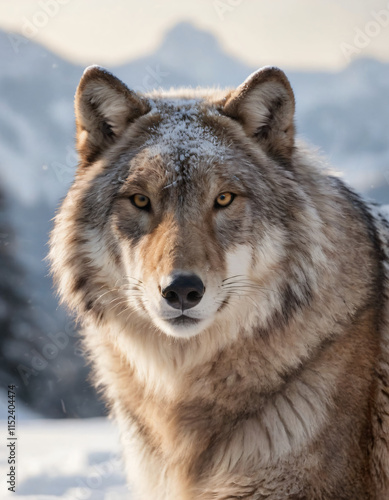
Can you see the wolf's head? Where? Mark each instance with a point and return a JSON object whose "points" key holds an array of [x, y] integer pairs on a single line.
{"points": [[184, 211]]}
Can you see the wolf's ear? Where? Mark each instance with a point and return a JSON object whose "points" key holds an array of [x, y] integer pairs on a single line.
{"points": [[264, 105], [104, 107]]}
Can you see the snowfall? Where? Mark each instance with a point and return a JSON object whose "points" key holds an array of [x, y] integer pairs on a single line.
{"points": [[75, 459]]}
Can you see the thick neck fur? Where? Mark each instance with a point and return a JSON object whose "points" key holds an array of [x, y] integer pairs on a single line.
{"points": [[246, 403]]}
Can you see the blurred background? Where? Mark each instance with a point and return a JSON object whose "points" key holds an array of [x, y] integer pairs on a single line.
{"points": [[336, 54]]}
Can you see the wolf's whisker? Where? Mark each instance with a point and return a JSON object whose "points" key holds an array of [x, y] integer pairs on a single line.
{"points": [[108, 291]]}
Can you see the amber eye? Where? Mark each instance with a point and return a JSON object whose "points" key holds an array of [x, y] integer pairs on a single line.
{"points": [[140, 201], [224, 199]]}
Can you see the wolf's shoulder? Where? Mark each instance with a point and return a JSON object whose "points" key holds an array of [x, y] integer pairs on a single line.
{"points": [[373, 215]]}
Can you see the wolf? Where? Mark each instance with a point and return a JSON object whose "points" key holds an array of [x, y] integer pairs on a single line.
{"points": [[233, 295]]}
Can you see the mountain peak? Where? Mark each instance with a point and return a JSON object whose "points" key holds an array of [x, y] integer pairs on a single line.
{"points": [[189, 55], [186, 35]]}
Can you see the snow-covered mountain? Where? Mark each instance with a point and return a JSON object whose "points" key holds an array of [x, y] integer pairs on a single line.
{"points": [[346, 114]]}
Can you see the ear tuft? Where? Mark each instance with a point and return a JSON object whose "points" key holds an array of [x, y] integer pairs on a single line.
{"points": [[264, 105], [104, 107]]}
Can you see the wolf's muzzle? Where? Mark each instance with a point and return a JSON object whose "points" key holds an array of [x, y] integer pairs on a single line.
{"points": [[184, 291]]}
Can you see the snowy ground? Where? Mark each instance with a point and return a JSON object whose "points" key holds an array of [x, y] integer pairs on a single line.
{"points": [[63, 459]]}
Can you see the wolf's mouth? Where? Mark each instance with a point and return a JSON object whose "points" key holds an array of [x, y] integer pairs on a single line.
{"points": [[183, 321]]}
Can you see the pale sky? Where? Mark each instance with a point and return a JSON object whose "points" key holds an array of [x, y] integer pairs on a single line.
{"points": [[303, 34]]}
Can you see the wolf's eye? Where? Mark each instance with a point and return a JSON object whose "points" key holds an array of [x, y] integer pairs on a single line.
{"points": [[224, 199], [140, 201]]}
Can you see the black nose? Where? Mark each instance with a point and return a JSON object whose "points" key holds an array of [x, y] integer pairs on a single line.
{"points": [[184, 292]]}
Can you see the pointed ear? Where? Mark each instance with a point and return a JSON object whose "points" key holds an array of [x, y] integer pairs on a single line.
{"points": [[264, 105], [104, 107]]}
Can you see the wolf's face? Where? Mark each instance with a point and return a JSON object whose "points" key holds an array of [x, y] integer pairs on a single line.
{"points": [[184, 221], [179, 208]]}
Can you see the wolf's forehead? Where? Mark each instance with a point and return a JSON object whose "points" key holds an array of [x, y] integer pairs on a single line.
{"points": [[182, 134]]}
